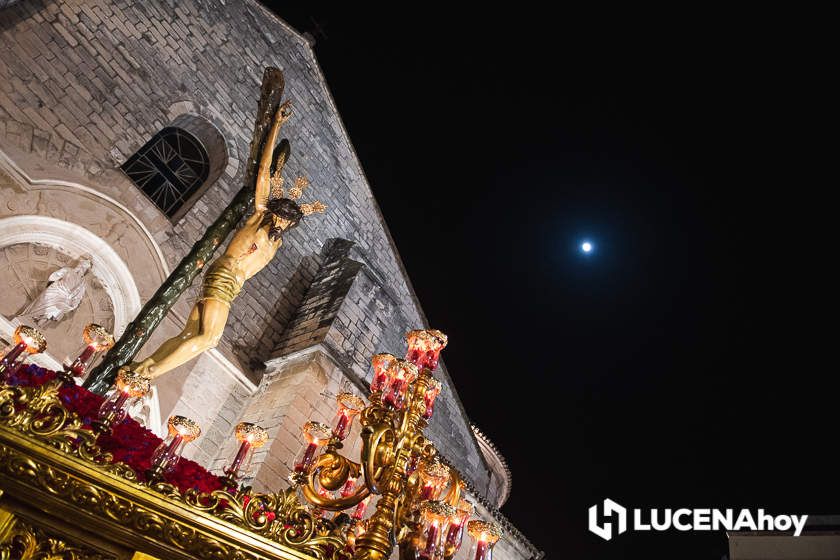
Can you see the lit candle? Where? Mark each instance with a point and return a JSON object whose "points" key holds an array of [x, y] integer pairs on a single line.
{"points": [[431, 542], [380, 363], [485, 535], [433, 516], [433, 477], [97, 339], [78, 365], [349, 405], [308, 456], [244, 447], [348, 487], [341, 425], [182, 430], [316, 435], [173, 445], [122, 397], [25, 339], [424, 347], [129, 385], [402, 374], [12, 355], [455, 534], [432, 391], [359, 512], [481, 550], [395, 395], [250, 437]]}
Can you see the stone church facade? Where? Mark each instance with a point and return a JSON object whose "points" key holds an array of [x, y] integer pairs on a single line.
{"points": [[87, 84]]}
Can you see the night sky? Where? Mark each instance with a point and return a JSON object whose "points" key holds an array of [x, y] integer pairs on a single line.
{"points": [[686, 362]]}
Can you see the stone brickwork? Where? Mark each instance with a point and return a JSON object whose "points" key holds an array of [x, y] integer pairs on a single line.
{"points": [[85, 83]]}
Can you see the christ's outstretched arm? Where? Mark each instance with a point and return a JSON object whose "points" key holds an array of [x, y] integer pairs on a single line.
{"points": [[263, 187]]}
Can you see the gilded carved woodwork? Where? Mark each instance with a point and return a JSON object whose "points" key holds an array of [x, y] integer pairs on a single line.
{"points": [[50, 461], [27, 542]]}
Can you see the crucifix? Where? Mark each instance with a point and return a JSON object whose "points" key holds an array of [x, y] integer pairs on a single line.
{"points": [[252, 247]]}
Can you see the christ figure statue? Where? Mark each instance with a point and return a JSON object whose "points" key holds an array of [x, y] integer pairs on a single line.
{"points": [[252, 247]]}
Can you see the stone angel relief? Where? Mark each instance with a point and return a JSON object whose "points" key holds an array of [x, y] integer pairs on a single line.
{"points": [[63, 294], [252, 247]]}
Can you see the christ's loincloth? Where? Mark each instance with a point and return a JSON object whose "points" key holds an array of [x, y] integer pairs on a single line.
{"points": [[220, 283]]}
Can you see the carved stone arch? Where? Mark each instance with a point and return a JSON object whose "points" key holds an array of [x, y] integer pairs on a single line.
{"points": [[74, 241], [111, 271]]}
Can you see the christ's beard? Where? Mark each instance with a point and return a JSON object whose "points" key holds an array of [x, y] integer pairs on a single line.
{"points": [[275, 233]]}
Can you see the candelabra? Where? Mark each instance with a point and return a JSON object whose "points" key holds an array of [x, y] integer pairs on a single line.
{"points": [[420, 506]]}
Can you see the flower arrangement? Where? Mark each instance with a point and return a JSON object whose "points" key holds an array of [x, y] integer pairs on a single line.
{"points": [[129, 442]]}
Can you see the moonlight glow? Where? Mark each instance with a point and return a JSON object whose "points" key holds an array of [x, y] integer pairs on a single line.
{"points": [[586, 247]]}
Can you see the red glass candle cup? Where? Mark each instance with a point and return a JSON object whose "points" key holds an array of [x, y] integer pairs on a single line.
{"points": [[457, 525], [361, 507], [316, 435], [424, 346], [434, 477], [97, 340], [318, 511], [348, 487], [129, 386], [485, 535], [381, 363], [26, 341], [434, 517], [349, 405], [250, 437], [401, 373], [182, 430], [432, 391]]}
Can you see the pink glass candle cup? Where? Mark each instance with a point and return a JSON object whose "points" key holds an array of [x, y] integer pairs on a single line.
{"points": [[485, 536], [250, 437], [402, 374], [182, 430], [316, 435], [380, 363], [96, 340], [434, 517], [424, 346], [25, 341], [349, 405]]}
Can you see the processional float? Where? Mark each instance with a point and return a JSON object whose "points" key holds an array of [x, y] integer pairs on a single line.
{"points": [[63, 447]]}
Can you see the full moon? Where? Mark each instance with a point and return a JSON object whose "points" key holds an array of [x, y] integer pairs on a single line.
{"points": [[586, 247]]}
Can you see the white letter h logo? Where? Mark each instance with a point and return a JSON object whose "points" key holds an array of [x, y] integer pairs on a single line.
{"points": [[610, 508]]}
